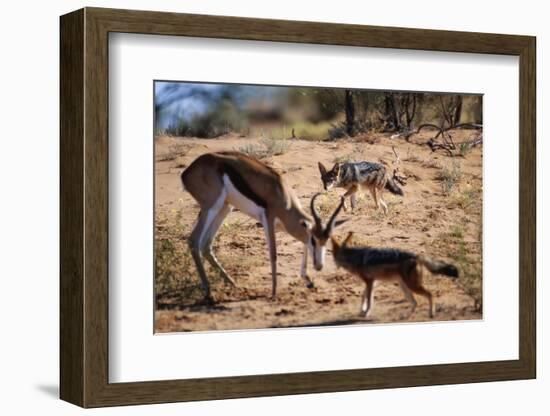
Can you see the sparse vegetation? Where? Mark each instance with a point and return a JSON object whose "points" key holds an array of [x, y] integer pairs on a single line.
{"points": [[465, 199], [425, 163], [465, 256], [175, 273], [275, 147], [464, 149], [339, 130], [303, 130], [348, 157], [174, 151], [265, 148], [412, 157], [241, 235], [457, 232], [326, 204], [176, 279], [450, 177], [431, 163]]}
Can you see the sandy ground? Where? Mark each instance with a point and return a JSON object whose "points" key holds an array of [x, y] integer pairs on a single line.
{"points": [[425, 220]]}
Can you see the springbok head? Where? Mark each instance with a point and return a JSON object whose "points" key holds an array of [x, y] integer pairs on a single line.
{"points": [[319, 234]]}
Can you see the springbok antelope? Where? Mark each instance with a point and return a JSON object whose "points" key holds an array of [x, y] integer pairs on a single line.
{"points": [[223, 180]]}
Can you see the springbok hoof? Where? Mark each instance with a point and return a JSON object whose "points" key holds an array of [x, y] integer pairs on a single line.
{"points": [[310, 285]]}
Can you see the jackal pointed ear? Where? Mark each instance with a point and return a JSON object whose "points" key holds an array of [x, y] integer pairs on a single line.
{"points": [[348, 239], [322, 169], [336, 168], [306, 224]]}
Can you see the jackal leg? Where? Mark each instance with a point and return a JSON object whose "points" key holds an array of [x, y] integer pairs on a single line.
{"points": [[206, 248], [367, 298], [383, 203], [408, 295], [414, 283], [353, 200], [351, 193], [424, 292], [378, 201], [419, 289]]}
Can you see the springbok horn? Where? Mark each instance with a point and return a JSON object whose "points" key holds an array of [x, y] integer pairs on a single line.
{"points": [[314, 211], [334, 215]]}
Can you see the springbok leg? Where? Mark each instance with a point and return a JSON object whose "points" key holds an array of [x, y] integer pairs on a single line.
{"points": [[206, 248]]}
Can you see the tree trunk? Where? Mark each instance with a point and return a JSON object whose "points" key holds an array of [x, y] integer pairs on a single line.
{"points": [[478, 112], [411, 109], [391, 111], [350, 113], [458, 110]]}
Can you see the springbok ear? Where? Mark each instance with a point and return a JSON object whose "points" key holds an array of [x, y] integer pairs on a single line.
{"points": [[322, 169], [338, 223], [306, 224]]}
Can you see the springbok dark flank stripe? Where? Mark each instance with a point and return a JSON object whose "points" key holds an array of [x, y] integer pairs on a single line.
{"points": [[241, 185]]}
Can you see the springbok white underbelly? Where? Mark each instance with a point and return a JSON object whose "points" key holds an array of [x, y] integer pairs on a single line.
{"points": [[241, 202]]}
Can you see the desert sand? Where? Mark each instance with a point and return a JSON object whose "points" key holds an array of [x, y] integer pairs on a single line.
{"points": [[429, 219]]}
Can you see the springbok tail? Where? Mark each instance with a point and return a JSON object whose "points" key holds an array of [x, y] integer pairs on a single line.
{"points": [[438, 267], [182, 180]]}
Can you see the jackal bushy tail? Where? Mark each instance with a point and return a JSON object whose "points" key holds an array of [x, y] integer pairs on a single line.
{"points": [[438, 267], [393, 188]]}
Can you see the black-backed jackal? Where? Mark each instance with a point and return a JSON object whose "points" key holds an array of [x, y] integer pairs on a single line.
{"points": [[352, 176], [372, 264]]}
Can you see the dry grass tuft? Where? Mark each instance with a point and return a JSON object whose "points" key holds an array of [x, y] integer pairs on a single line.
{"points": [[465, 256], [175, 151], [346, 158], [450, 177], [266, 148], [175, 271], [431, 163]]}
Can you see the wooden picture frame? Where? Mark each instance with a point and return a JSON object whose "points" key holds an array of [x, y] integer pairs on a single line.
{"points": [[84, 207]]}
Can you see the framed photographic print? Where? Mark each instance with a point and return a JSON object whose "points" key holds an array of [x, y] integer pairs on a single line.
{"points": [[257, 207]]}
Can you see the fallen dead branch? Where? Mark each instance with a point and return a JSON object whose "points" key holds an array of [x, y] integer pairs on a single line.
{"points": [[446, 142]]}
